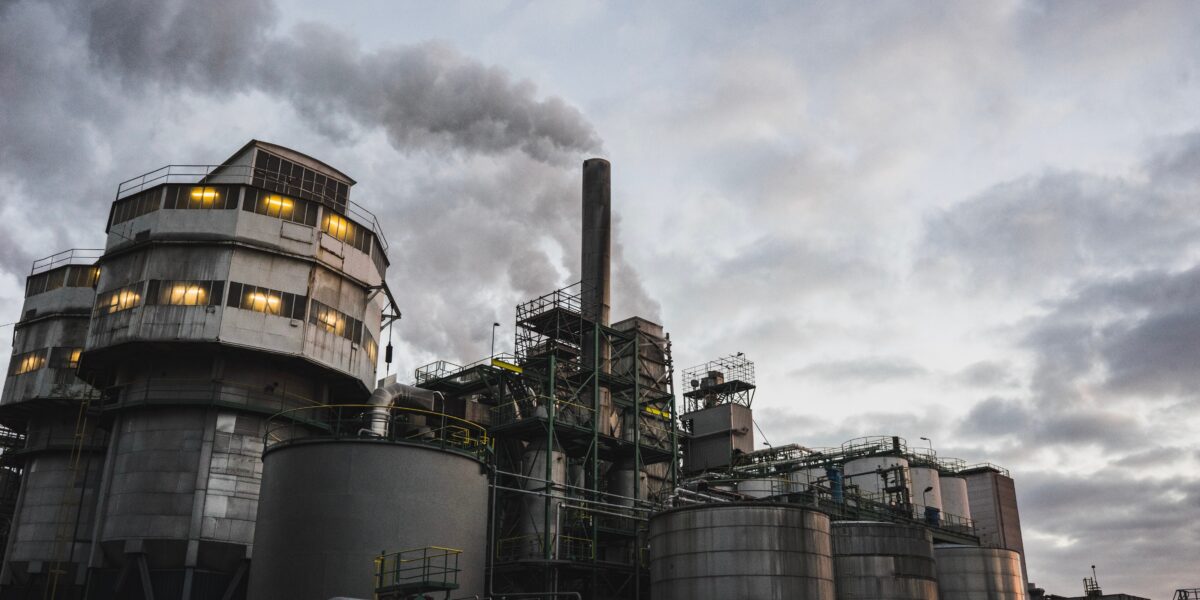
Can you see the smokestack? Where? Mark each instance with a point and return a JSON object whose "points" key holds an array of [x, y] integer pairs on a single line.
{"points": [[597, 230]]}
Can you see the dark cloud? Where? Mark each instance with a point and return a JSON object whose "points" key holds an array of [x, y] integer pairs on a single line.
{"points": [[987, 374], [1116, 522], [1043, 232]]}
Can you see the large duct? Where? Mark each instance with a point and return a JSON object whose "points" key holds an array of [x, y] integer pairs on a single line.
{"points": [[597, 238], [399, 394]]}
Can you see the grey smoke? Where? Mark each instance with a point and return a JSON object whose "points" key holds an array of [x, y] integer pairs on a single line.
{"points": [[481, 207]]}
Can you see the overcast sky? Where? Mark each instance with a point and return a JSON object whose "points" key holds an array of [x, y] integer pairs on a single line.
{"points": [[975, 222]]}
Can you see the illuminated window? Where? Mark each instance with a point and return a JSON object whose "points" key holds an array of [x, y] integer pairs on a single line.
{"points": [[28, 362], [266, 300], [281, 207], [119, 299], [200, 197], [72, 276], [370, 346], [136, 206], [339, 323], [65, 357], [184, 293], [347, 231]]}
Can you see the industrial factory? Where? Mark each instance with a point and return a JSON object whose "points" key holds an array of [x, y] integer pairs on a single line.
{"points": [[193, 412]]}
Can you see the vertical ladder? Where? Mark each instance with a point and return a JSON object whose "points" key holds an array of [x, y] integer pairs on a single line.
{"points": [[68, 511]]}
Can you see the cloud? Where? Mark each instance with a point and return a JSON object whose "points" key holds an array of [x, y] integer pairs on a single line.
{"points": [[868, 370]]}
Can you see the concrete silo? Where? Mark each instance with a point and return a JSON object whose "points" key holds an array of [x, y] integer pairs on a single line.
{"points": [[226, 294]]}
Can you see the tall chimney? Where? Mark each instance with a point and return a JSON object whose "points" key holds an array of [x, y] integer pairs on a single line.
{"points": [[597, 230]]}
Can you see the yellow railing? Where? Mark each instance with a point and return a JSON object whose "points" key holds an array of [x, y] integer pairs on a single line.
{"points": [[381, 423]]}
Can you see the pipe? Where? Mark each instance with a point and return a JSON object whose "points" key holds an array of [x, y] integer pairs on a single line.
{"points": [[397, 394]]}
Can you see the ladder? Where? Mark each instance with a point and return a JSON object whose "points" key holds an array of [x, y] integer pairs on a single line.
{"points": [[68, 508]]}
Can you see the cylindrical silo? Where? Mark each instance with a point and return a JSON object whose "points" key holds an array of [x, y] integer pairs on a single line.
{"points": [[62, 453], [924, 476], [883, 561], [874, 474], [763, 487], [974, 573], [740, 550], [329, 507], [955, 507]]}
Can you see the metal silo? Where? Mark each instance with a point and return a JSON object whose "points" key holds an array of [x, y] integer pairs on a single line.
{"points": [[926, 490], [956, 505], [52, 442], [880, 470], [883, 561], [974, 573], [332, 502], [740, 550]]}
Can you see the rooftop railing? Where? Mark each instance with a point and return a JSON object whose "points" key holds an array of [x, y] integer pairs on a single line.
{"points": [[74, 256], [248, 175]]}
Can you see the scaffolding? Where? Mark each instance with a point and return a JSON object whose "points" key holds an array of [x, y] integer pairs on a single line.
{"points": [[725, 380], [599, 400]]}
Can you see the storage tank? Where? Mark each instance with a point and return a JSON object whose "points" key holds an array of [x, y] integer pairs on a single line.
{"points": [[329, 507], [883, 561], [764, 487], [925, 476], [974, 573], [954, 498], [740, 550], [873, 473]]}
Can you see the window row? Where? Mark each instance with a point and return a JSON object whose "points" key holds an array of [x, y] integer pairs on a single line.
{"points": [[242, 296], [184, 293], [72, 276], [200, 197], [60, 357], [265, 300], [284, 176], [297, 210]]}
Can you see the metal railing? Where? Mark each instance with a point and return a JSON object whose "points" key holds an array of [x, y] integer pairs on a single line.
{"points": [[378, 423], [74, 256], [986, 466], [1187, 594], [440, 369], [246, 175], [417, 570]]}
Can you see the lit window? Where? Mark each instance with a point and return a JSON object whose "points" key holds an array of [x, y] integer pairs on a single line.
{"points": [[27, 362], [280, 207], [345, 230], [200, 197], [184, 293], [65, 357], [338, 323], [265, 300], [119, 299], [371, 348], [337, 226]]}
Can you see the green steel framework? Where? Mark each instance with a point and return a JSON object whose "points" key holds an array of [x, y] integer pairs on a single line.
{"points": [[569, 377]]}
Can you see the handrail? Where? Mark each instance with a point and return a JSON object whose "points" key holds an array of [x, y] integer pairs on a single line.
{"points": [[243, 175], [74, 256], [377, 423]]}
